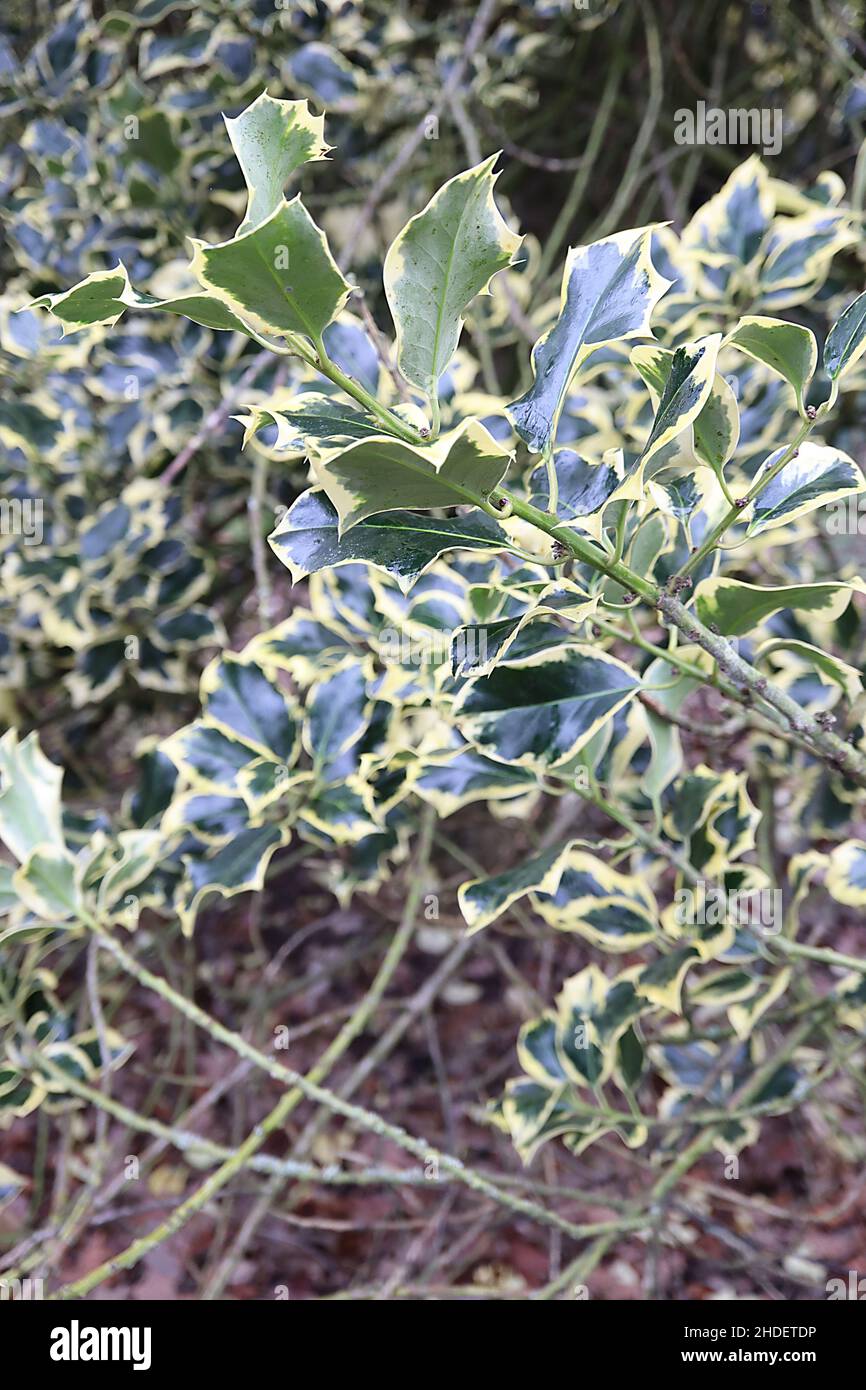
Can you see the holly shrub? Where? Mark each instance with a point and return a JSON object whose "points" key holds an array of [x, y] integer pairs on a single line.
{"points": [[524, 599]]}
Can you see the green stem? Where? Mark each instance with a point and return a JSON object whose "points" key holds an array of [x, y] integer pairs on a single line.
{"points": [[584, 549], [391, 422], [643, 836], [734, 513], [552, 479], [828, 745], [822, 953]]}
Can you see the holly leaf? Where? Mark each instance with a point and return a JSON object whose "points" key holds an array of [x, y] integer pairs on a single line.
{"points": [[443, 258], [681, 381], [736, 607], [609, 290], [539, 710], [271, 138], [482, 900], [46, 883], [819, 474], [787, 349], [103, 297], [279, 275], [383, 474], [402, 544], [30, 797]]}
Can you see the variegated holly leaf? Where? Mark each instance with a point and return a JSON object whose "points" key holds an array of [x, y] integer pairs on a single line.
{"points": [[698, 792], [846, 873], [681, 382], [614, 926], [798, 254], [311, 420], [238, 867], [404, 545], [207, 757], [533, 1113], [536, 1051], [244, 705], [271, 139], [136, 853], [47, 885], [593, 1014], [609, 290], [383, 475], [301, 645], [477, 647], [717, 428], [337, 815], [662, 981], [539, 710], [211, 818], [735, 607], [712, 430], [29, 797], [94, 300], [614, 911], [278, 276], [787, 349], [841, 673], [443, 258], [586, 880], [104, 296], [846, 341], [584, 488], [819, 474], [337, 712], [461, 779], [745, 1013], [482, 900], [726, 234]]}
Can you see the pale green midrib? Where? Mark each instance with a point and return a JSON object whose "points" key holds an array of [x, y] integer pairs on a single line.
{"points": [[565, 700], [441, 311], [289, 298], [373, 523], [434, 474], [672, 412], [582, 339], [370, 523]]}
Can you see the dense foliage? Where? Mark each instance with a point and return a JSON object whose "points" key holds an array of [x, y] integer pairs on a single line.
{"points": [[538, 542]]}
